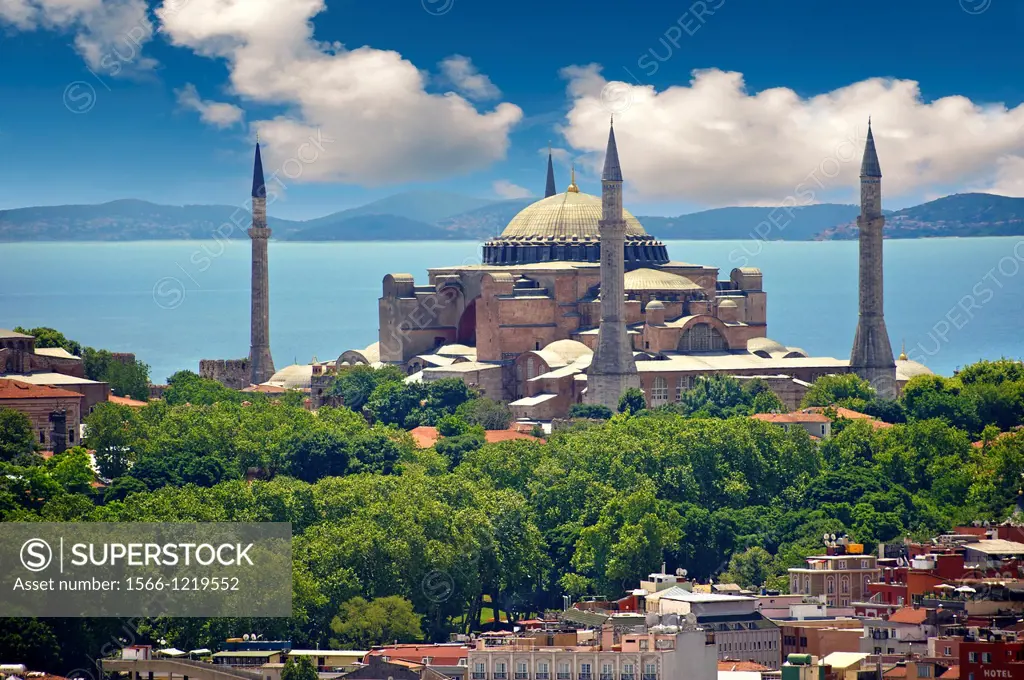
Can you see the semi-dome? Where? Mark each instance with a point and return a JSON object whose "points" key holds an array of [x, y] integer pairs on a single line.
{"points": [[294, 377], [908, 368], [564, 227], [645, 279]]}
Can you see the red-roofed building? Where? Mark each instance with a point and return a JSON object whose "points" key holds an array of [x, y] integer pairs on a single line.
{"points": [[425, 436], [446, 655], [816, 424], [40, 403], [850, 414], [125, 401], [952, 673]]}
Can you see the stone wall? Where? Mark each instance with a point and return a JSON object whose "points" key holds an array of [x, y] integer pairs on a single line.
{"points": [[38, 411], [233, 373]]}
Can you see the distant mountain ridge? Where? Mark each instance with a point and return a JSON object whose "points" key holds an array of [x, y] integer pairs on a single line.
{"points": [[427, 215], [964, 215]]}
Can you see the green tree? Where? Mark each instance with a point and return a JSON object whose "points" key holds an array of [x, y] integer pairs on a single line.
{"points": [[363, 624], [395, 403], [632, 401], [845, 389], [592, 411], [112, 431], [354, 385], [16, 435], [312, 455], [301, 669], [72, 470], [49, 337], [768, 402], [751, 568], [128, 379], [186, 387], [487, 413]]}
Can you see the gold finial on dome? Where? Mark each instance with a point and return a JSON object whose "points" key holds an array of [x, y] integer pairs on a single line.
{"points": [[903, 352], [572, 182]]}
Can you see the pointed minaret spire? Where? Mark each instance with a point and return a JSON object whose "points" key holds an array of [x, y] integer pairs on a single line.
{"points": [[261, 365], [869, 166], [259, 186], [871, 357], [550, 190], [612, 170]]}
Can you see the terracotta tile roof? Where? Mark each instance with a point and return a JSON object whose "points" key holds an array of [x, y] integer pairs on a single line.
{"points": [[125, 401], [741, 666], [897, 672], [426, 436], [952, 673], [15, 389], [909, 615], [795, 417], [440, 655], [850, 414]]}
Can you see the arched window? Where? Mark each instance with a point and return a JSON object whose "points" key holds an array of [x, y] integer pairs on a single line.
{"points": [[659, 391], [702, 337], [844, 585], [531, 370], [831, 585]]}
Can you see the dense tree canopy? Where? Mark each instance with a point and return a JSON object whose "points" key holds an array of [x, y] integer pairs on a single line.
{"points": [[396, 542]]}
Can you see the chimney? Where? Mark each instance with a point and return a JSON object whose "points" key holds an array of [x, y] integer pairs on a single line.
{"points": [[58, 431]]}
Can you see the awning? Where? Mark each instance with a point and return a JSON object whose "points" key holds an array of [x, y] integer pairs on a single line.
{"points": [[170, 651], [200, 652]]}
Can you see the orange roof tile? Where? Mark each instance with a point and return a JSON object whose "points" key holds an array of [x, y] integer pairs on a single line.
{"points": [[741, 666], [426, 436], [850, 414], [952, 673], [897, 672], [909, 615], [125, 401], [794, 417], [15, 389]]}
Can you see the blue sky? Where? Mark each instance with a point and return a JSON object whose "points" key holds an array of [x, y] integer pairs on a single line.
{"points": [[73, 131]]}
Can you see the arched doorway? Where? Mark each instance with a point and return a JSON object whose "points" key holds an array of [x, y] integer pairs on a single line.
{"points": [[465, 334]]}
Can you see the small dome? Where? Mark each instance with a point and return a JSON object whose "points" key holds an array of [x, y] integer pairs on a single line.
{"points": [[645, 279], [728, 304], [764, 345], [568, 350], [655, 304], [793, 352], [294, 377], [907, 369]]}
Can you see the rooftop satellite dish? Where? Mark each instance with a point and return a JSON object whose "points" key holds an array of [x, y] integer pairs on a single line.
{"points": [[246, 637], [832, 536], [825, 537], [681, 572]]}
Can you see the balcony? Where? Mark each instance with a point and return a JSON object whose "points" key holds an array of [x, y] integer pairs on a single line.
{"points": [[522, 676], [627, 676], [650, 676], [607, 676], [543, 675], [500, 675], [564, 676], [479, 676], [585, 676]]}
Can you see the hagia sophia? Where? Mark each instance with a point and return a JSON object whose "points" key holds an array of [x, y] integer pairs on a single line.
{"points": [[532, 324]]}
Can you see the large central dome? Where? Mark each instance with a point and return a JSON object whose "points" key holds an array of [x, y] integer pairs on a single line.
{"points": [[564, 227], [564, 216]]}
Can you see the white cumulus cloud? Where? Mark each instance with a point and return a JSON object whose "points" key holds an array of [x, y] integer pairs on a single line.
{"points": [[358, 115], [459, 72], [506, 189], [109, 34], [713, 142], [218, 114]]}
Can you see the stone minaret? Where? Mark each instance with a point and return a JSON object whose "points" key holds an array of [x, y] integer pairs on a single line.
{"points": [[612, 370], [549, 190], [260, 362], [871, 357]]}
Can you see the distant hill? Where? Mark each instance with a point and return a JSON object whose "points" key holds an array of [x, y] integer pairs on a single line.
{"points": [[127, 220], [372, 228], [431, 207], [772, 224], [486, 222], [423, 215], [956, 215]]}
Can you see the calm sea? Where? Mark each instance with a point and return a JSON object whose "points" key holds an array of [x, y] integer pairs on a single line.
{"points": [[953, 301]]}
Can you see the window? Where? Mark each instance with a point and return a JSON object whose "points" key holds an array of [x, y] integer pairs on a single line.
{"points": [[822, 430], [842, 564], [42, 436], [531, 370], [643, 645], [478, 671], [844, 584], [584, 671], [542, 670], [865, 564], [627, 671], [702, 338], [606, 671], [947, 651], [680, 383], [986, 657], [71, 435], [972, 657], [831, 585], [563, 671], [522, 672], [659, 391], [499, 671], [650, 671]]}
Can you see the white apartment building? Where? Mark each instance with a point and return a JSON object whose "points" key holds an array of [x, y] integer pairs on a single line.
{"points": [[662, 653], [741, 632]]}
